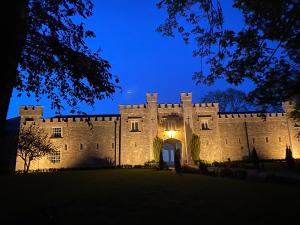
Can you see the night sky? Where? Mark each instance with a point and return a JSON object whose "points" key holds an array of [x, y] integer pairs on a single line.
{"points": [[143, 59]]}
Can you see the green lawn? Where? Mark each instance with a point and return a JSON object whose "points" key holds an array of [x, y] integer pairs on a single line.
{"points": [[120, 196]]}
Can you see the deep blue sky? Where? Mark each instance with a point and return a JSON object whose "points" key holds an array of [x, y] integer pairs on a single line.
{"points": [[143, 59]]}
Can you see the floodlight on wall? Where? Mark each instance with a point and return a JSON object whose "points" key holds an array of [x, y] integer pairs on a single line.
{"points": [[171, 133]]}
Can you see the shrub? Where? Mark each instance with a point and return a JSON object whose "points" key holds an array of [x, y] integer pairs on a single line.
{"points": [[290, 161], [158, 145], [195, 148]]}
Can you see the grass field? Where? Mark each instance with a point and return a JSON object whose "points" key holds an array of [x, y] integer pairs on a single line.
{"points": [[120, 196]]}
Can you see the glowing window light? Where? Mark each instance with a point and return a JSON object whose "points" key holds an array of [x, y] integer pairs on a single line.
{"points": [[171, 133]]}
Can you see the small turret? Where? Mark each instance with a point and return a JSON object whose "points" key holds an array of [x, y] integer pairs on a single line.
{"points": [[31, 113]]}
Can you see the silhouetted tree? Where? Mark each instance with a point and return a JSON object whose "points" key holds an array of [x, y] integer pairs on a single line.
{"points": [[195, 148], [265, 50], [230, 100], [255, 159], [33, 144], [45, 54], [290, 161]]}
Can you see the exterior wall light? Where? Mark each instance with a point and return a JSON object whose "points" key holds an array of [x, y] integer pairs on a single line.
{"points": [[171, 133]]}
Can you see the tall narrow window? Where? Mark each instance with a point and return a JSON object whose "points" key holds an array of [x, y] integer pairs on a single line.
{"points": [[66, 147], [279, 139], [253, 140], [267, 139], [239, 141], [134, 126], [97, 146], [204, 124], [56, 132], [112, 145], [81, 146], [226, 141]]}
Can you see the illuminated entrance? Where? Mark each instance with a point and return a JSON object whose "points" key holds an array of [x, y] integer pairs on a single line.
{"points": [[172, 148]]}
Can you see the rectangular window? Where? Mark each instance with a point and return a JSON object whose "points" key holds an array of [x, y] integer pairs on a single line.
{"points": [[66, 147], [112, 145], [97, 146], [279, 139], [55, 157], [204, 125], [56, 132], [267, 139], [134, 126], [226, 141], [81, 146], [253, 140]]}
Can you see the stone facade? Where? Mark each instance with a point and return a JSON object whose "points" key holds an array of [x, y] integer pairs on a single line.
{"points": [[127, 138]]}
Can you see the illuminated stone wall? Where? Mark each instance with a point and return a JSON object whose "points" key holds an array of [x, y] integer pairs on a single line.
{"points": [[121, 141]]}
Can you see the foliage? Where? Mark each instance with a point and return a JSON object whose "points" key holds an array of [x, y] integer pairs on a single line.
{"points": [[290, 161], [158, 145], [195, 148], [33, 144], [265, 50], [55, 50], [230, 100], [177, 162], [255, 158]]}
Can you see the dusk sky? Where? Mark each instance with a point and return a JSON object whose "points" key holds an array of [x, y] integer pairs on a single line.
{"points": [[142, 58]]}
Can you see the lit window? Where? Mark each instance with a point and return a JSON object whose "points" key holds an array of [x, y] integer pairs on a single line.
{"points": [[134, 126], [55, 157], [56, 132], [204, 125]]}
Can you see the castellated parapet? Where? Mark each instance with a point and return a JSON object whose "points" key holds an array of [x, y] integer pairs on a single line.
{"points": [[127, 138]]}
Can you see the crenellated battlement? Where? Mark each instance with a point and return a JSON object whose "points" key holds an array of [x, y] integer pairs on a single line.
{"points": [[80, 119], [31, 111], [250, 115], [206, 105], [151, 97], [186, 96], [132, 106], [169, 106]]}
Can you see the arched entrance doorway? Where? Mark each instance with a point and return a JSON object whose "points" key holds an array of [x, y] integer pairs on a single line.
{"points": [[172, 148]]}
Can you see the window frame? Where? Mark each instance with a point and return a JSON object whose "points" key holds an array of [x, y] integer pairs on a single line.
{"points": [[55, 157], [54, 134]]}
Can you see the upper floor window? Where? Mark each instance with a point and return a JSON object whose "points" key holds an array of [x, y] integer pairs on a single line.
{"points": [[135, 126], [56, 132], [267, 139], [204, 125], [55, 157]]}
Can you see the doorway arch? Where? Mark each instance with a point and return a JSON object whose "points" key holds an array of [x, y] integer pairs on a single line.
{"points": [[172, 148]]}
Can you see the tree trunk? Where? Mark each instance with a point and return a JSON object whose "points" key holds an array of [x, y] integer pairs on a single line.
{"points": [[13, 23]]}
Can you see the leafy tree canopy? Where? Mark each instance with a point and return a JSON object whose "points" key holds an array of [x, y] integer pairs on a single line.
{"points": [[55, 60], [266, 50]]}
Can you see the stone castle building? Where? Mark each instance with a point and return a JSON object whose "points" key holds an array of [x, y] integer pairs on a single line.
{"points": [[127, 138]]}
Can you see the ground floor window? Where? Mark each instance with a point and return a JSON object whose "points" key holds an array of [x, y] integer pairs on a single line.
{"points": [[55, 157]]}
